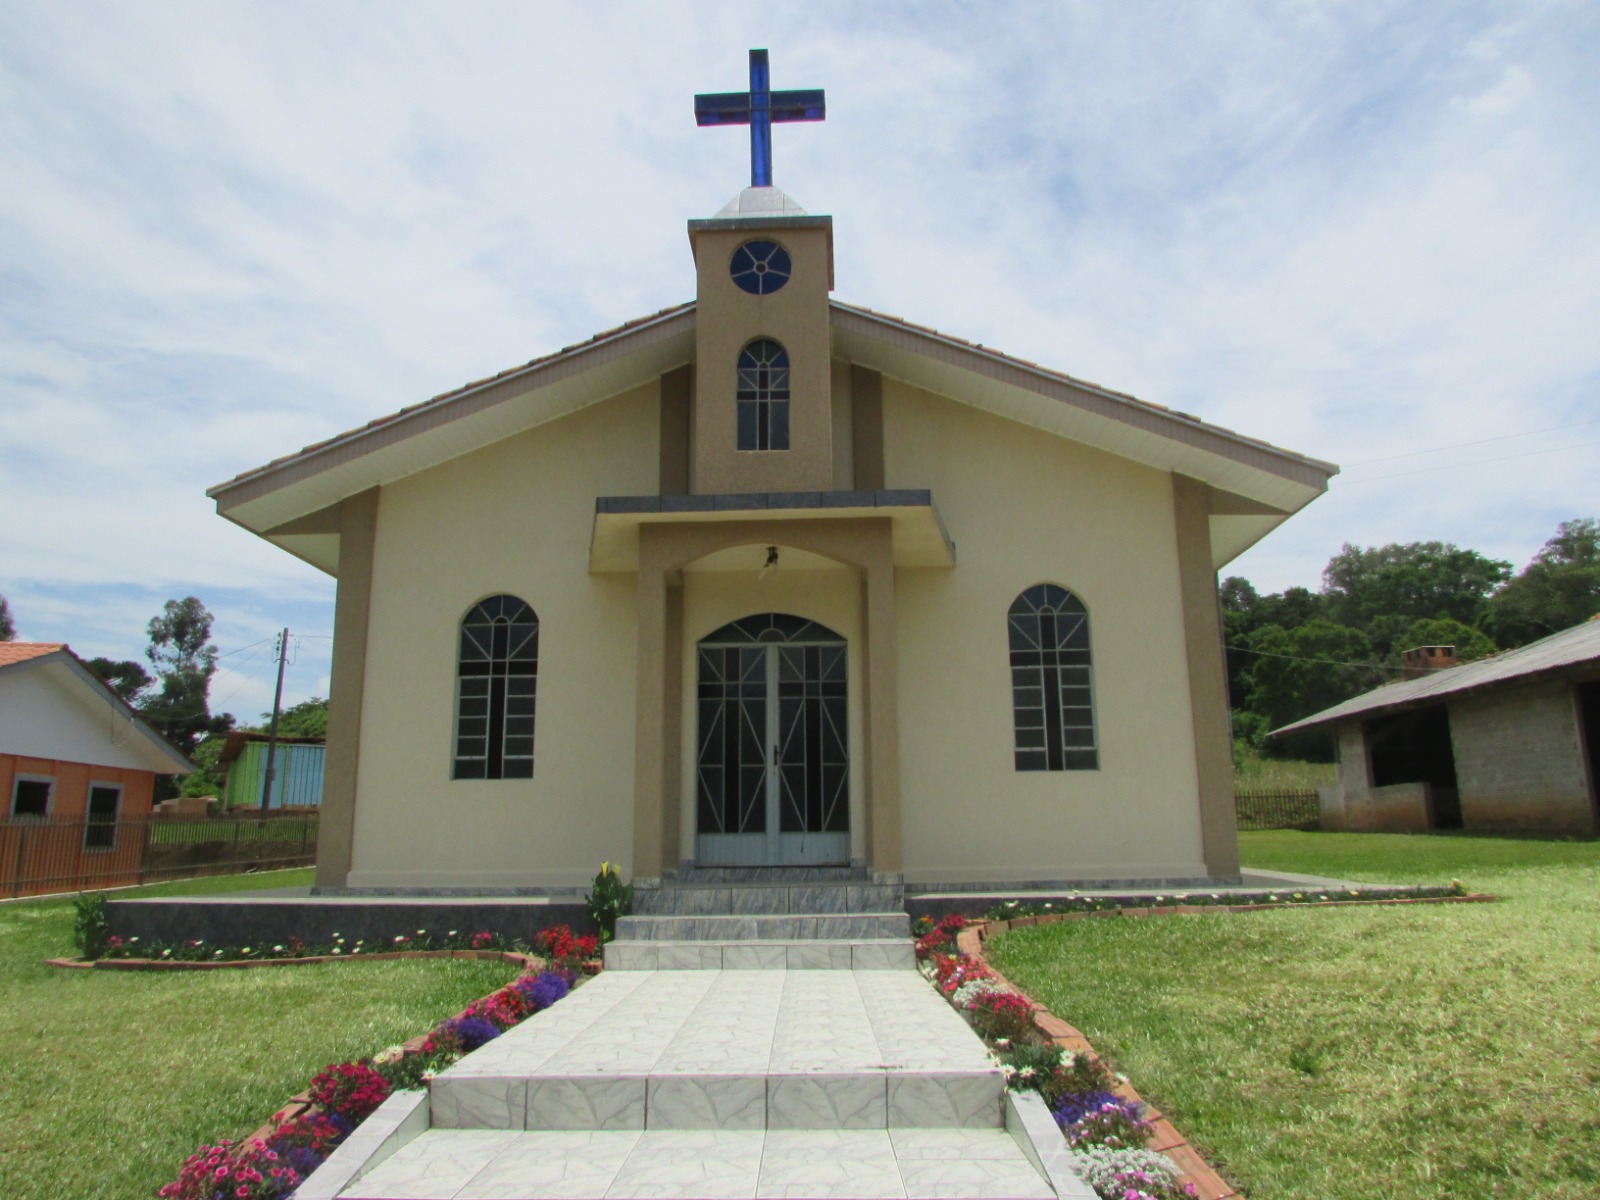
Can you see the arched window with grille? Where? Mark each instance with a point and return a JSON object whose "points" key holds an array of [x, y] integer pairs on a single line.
{"points": [[1052, 689], [763, 396], [497, 672]]}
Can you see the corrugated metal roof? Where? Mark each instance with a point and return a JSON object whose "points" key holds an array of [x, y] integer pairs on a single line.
{"points": [[1573, 647]]}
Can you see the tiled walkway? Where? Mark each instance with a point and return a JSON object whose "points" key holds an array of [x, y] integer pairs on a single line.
{"points": [[477, 1164], [721, 1084]]}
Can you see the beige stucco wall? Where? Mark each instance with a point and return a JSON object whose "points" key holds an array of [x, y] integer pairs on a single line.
{"points": [[1026, 508], [726, 320], [1519, 760], [830, 596], [515, 517]]}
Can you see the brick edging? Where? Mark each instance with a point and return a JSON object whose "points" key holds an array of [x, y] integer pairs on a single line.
{"points": [[1164, 1137]]}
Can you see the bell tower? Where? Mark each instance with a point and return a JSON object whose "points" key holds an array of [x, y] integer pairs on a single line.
{"points": [[762, 410]]}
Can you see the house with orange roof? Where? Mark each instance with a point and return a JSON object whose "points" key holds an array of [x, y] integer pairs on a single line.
{"points": [[74, 761], [768, 582]]}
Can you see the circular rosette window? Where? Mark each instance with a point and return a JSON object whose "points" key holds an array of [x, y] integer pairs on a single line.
{"points": [[760, 268]]}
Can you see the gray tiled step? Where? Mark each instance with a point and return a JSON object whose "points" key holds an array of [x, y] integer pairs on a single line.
{"points": [[764, 927], [870, 954], [725, 875], [730, 1050], [472, 1164], [769, 898]]}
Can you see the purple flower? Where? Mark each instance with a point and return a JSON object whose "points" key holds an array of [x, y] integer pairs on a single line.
{"points": [[473, 1031], [543, 990], [1075, 1106]]}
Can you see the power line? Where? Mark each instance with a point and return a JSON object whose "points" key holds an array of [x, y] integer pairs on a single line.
{"points": [[1505, 437], [1330, 662], [1457, 466]]}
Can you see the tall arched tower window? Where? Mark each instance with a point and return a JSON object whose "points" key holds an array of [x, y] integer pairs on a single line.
{"points": [[1052, 691], [497, 672], [763, 396]]}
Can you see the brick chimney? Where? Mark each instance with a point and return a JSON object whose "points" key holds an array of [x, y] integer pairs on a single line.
{"points": [[1421, 660]]}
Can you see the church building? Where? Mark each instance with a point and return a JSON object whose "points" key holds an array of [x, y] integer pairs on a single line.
{"points": [[772, 580]]}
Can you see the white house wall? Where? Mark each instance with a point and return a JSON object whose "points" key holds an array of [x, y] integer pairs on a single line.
{"points": [[46, 711], [1026, 508], [514, 518]]}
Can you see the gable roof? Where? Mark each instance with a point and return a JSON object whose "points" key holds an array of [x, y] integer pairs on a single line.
{"points": [[1572, 650], [1257, 485], [68, 672]]}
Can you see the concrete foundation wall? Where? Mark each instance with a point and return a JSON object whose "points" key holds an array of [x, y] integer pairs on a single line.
{"points": [[1519, 760]]}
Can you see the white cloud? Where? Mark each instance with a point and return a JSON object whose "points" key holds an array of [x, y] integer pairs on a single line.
{"points": [[230, 231]]}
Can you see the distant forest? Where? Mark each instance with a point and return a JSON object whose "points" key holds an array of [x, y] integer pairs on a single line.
{"points": [[1296, 652]]}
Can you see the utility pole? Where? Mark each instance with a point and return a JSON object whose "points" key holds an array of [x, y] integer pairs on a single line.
{"points": [[272, 732]]}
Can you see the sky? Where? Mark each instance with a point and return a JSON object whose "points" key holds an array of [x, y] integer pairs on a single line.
{"points": [[1365, 232]]}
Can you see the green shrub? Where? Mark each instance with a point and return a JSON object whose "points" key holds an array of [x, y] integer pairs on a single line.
{"points": [[90, 927], [610, 899]]}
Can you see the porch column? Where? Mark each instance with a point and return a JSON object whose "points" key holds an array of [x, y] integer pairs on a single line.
{"points": [[652, 699], [1208, 675], [358, 528], [882, 710]]}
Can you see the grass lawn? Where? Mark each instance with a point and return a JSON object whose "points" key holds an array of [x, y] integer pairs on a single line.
{"points": [[1280, 774], [1337, 1054], [112, 1078]]}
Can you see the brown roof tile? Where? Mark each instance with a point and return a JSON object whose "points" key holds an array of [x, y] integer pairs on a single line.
{"points": [[12, 653]]}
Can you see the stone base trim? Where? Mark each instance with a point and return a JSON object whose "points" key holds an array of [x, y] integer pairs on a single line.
{"points": [[513, 957]]}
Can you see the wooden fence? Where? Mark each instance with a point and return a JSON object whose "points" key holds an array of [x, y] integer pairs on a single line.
{"points": [[38, 857], [1260, 808]]}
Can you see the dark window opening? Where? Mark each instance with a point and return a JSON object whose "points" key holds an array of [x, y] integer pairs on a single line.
{"points": [[1414, 747], [1589, 717], [31, 798], [762, 393], [100, 830], [497, 675], [1052, 697]]}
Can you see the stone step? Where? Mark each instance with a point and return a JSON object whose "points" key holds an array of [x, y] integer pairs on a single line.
{"points": [[769, 898], [726, 875], [443, 1164], [730, 1050], [764, 927], [872, 954]]}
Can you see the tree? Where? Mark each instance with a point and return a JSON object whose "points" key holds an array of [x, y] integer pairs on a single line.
{"points": [[184, 660], [1560, 588], [8, 628], [1302, 671], [1470, 643], [126, 678], [1382, 590], [208, 779], [1245, 611], [309, 718]]}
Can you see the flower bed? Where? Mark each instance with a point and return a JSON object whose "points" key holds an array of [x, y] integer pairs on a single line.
{"points": [[272, 1162], [1105, 1124]]}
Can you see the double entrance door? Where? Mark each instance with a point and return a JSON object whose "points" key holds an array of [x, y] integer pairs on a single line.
{"points": [[772, 766]]}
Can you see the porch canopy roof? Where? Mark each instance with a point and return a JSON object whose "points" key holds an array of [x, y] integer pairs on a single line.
{"points": [[1574, 652], [291, 501]]}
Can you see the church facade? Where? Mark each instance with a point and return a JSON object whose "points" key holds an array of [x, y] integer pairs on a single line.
{"points": [[772, 580]]}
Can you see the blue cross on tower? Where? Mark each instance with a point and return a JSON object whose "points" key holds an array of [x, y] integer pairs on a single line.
{"points": [[759, 108]]}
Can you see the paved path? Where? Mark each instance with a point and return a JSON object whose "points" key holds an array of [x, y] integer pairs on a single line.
{"points": [[820, 1083]]}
